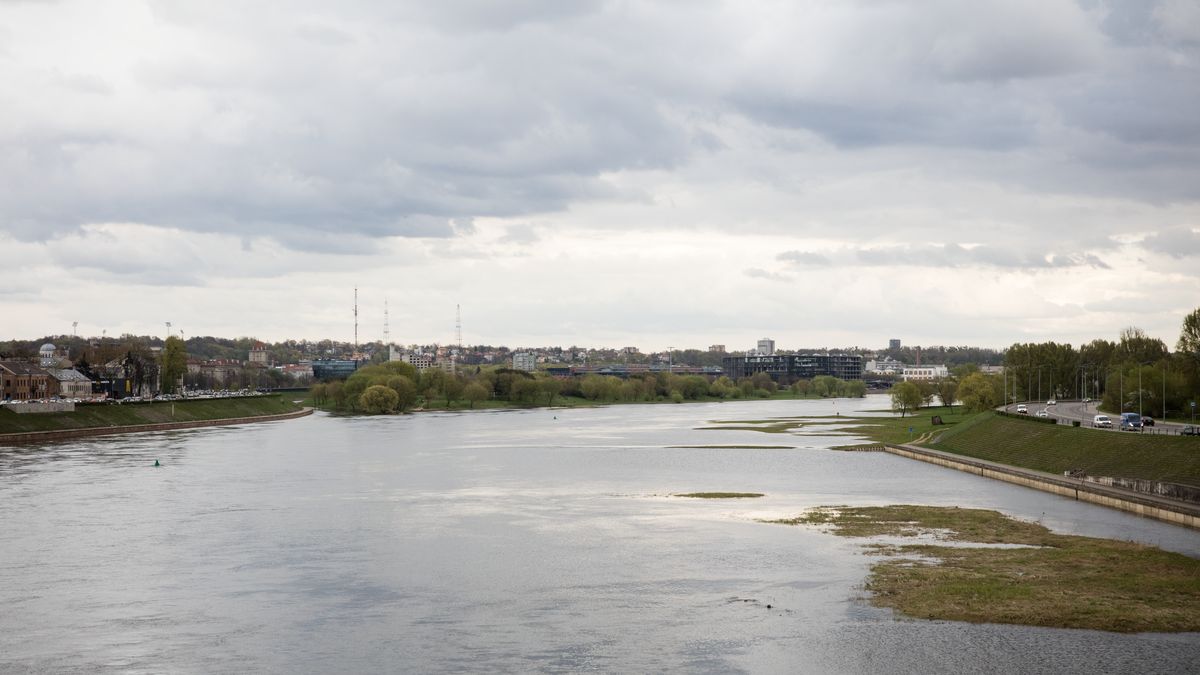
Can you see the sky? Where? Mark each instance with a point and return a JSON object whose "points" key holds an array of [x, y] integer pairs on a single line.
{"points": [[677, 173]]}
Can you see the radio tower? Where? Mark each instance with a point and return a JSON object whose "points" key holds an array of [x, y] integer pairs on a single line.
{"points": [[458, 326], [355, 357], [387, 333]]}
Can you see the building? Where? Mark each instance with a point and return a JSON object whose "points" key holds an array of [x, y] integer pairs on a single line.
{"points": [[71, 383], [766, 347], [720, 349], [885, 366], [789, 367], [418, 360], [259, 354], [20, 381], [214, 372], [925, 372], [524, 361], [333, 369], [298, 371], [894, 343]]}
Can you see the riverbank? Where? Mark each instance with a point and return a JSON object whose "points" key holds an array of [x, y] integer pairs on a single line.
{"points": [[131, 418]]}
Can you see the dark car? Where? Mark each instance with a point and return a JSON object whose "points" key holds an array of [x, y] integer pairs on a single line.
{"points": [[1147, 421], [1190, 430]]}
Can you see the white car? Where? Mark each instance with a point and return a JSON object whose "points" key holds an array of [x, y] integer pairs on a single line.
{"points": [[1043, 413], [1021, 408], [1051, 402], [1102, 422]]}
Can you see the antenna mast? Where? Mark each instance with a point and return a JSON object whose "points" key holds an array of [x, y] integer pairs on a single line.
{"points": [[387, 333], [458, 326], [355, 322]]}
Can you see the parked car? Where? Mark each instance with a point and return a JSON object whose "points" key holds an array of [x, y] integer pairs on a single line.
{"points": [[1043, 413], [1087, 400], [1021, 408], [1102, 422], [1147, 421], [1051, 402], [1189, 430], [1131, 422]]}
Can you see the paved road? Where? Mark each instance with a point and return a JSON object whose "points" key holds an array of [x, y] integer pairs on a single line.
{"points": [[1066, 411]]}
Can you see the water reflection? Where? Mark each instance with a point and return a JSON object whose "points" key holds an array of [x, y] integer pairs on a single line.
{"points": [[498, 542]]}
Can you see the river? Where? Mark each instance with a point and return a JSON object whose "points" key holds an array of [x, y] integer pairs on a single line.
{"points": [[513, 541]]}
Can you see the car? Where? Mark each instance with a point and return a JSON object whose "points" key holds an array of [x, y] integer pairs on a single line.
{"points": [[1051, 402], [1102, 422], [1147, 421], [1087, 400], [1189, 430], [1131, 422], [1043, 413], [1021, 408]]}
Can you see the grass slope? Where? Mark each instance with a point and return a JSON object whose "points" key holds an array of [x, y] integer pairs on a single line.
{"points": [[1059, 448], [145, 413]]}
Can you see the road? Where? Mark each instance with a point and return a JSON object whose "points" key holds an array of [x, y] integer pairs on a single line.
{"points": [[1068, 411]]}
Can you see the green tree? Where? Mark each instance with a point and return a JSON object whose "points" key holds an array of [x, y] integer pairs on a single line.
{"points": [[406, 391], [174, 362], [978, 393], [1189, 335], [947, 390], [906, 397], [452, 388], [550, 388], [475, 392], [378, 399]]}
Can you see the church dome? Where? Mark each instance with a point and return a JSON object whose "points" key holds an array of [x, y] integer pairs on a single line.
{"points": [[47, 349]]}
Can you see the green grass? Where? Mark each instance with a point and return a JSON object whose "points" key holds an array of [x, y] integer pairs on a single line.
{"points": [[146, 413], [1059, 448], [1055, 580], [733, 447], [720, 495]]}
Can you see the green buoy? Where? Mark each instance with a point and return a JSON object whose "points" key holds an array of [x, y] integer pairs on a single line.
{"points": [[156, 463]]}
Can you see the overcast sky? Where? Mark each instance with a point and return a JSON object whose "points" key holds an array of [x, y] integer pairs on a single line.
{"points": [[675, 173]]}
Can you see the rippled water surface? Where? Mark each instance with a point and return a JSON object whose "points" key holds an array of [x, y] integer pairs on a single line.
{"points": [[497, 542]]}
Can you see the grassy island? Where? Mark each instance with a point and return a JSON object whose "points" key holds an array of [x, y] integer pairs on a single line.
{"points": [[982, 567]]}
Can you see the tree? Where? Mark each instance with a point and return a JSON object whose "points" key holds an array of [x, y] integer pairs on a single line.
{"points": [[550, 388], [978, 393], [378, 399], [174, 364], [947, 390], [475, 393], [406, 391], [906, 396], [1189, 335], [453, 389]]}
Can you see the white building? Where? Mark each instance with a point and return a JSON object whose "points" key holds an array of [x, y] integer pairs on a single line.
{"points": [[884, 366], [925, 372], [524, 361], [766, 347]]}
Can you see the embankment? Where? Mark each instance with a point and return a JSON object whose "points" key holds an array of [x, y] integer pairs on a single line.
{"points": [[132, 418]]}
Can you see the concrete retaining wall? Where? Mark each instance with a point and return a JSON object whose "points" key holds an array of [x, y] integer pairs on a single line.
{"points": [[1151, 506], [62, 434]]}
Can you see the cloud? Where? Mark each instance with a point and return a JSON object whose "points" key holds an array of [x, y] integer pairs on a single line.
{"points": [[806, 258], [957, 256], [1181, 242], [759, 273]]}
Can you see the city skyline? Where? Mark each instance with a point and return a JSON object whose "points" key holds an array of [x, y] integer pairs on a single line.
{"points": [[602, 174]]}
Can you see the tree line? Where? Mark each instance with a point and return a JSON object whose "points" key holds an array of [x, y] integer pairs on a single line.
{"points": [[395, 386], [1133, 373]]}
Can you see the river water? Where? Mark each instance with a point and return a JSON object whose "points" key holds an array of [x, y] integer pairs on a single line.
{"points": [[516, 541]]}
